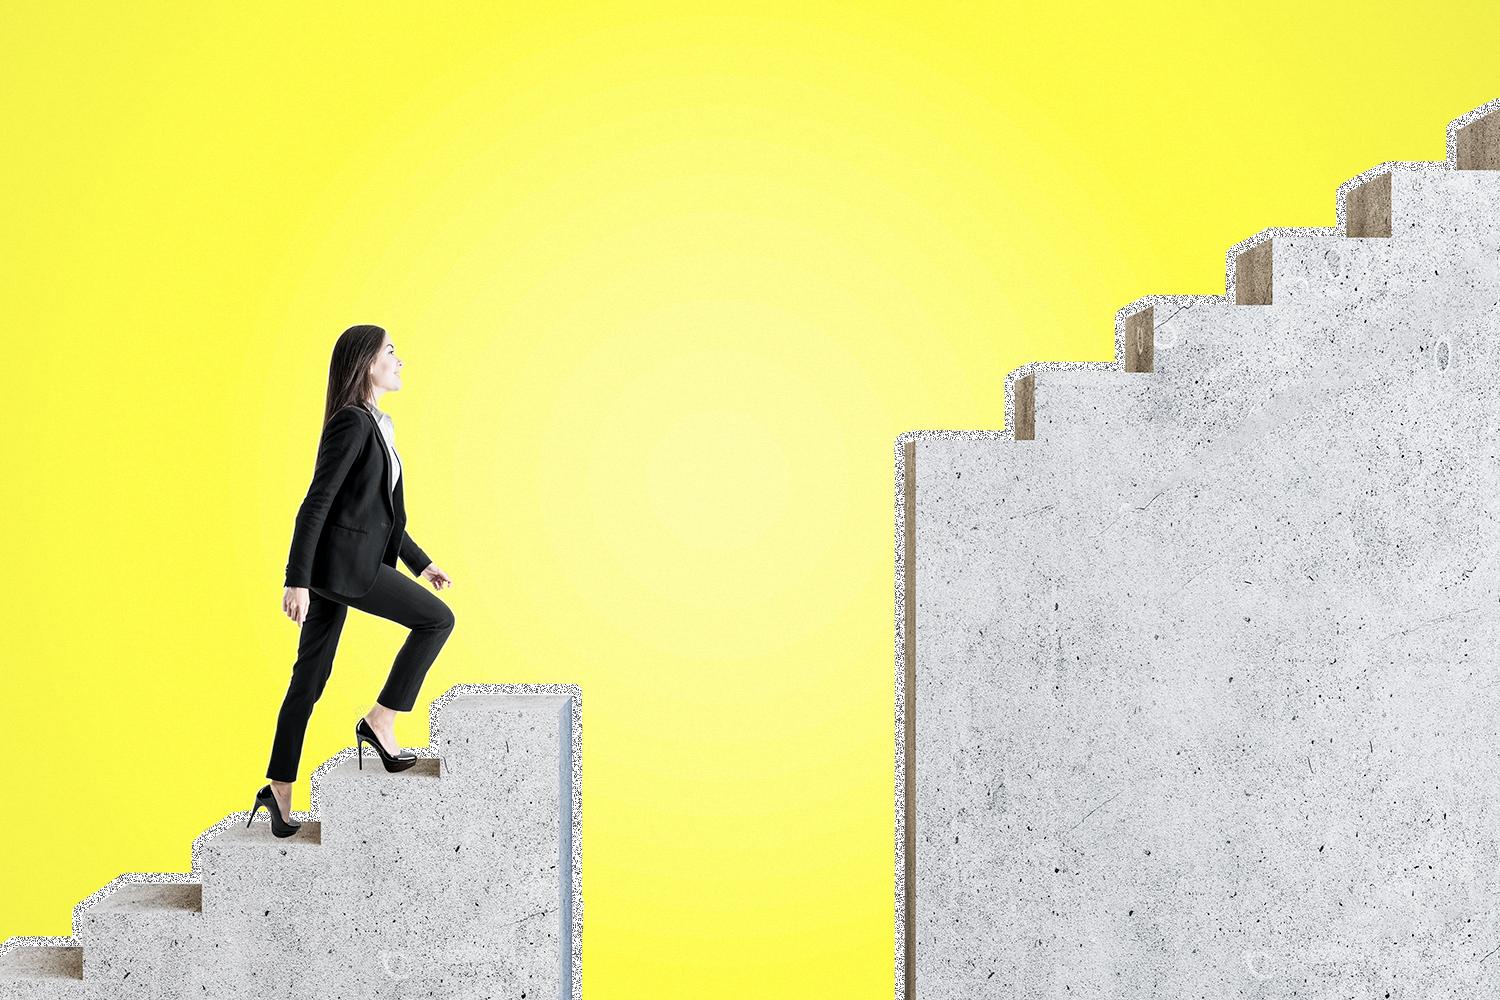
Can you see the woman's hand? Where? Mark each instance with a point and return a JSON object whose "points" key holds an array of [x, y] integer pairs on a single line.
{"points": [[436, 577], [294, 603]]}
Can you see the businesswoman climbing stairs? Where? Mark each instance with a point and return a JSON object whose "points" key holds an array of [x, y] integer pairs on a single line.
{"points": [[349, 531]]}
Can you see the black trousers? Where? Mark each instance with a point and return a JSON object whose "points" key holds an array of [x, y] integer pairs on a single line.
{"points": [[394, 596]]}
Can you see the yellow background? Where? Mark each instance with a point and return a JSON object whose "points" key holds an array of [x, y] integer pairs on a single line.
{"points": [[668, 279]]}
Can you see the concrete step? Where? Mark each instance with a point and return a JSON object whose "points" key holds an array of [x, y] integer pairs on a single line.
{"points": [[247, 866], [262, 896], [138, 933], [349, 797], [1206, 338], [38, 969], [1366, 271], [1423, 200]]}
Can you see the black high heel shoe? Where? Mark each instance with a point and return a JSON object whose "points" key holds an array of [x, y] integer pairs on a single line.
{"points": [[279, 826], [364, 734]]}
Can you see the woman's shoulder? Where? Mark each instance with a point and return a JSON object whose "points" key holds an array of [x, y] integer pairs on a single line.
{"points": [[345, 419], [354, 409]]}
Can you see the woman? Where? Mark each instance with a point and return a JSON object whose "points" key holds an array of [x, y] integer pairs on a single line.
{"points": [[349, 531]]}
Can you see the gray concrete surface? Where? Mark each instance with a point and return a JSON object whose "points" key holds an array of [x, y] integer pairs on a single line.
{"points": [[1204, 676], [457, 878]]}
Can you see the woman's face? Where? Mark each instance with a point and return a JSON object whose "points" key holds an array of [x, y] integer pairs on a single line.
{"points": [[385, 371]]}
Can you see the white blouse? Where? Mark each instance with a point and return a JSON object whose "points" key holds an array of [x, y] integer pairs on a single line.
{"points": [[388, 431]]}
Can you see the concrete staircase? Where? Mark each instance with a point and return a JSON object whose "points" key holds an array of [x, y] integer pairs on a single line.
{"points": [[458, 878], [1195, 658]]}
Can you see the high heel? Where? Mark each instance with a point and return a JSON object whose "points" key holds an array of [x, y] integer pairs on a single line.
{"points": [[364, 734], [279, 826]]}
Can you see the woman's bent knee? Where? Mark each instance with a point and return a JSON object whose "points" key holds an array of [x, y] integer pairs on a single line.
{"points": [[440, 621]]}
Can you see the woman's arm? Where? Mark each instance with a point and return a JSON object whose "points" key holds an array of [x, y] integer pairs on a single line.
{"points": [[411, 553], [340, 445]]}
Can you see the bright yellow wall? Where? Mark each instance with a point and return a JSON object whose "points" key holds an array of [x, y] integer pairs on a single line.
{"points": [[668, 279]]}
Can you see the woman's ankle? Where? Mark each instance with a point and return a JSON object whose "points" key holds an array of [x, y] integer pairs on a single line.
{"points": [[379, 715]]}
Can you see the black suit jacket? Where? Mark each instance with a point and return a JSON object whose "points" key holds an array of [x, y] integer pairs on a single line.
{"points": [[351, 521]]}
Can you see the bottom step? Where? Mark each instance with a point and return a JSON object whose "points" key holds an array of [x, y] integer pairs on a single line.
{"points": [[41, 971]]}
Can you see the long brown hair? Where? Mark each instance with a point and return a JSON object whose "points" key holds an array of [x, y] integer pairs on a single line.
{"points": [[349, 368]]}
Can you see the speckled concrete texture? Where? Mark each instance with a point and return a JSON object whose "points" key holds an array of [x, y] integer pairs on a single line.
{"points": [[458, 877], [1204, 672]]}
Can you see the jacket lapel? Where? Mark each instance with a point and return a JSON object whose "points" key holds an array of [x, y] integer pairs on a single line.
{"points": [[385, 455]]}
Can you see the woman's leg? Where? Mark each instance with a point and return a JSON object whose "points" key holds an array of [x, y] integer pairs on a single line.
{"points": [[315, 648], [403, 600]]}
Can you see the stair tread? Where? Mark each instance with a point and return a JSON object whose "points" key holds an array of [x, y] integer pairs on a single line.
{"points": [[153, 897], [487, 703], [43, 962], [424, 768], [259, 834]]}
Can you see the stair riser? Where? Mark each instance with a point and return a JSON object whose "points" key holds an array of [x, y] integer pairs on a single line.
{"points": [[1369, 272], [370, 956], [49, 990], [359, 810], [133, 951], [1445, 204], [251, 877]]}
